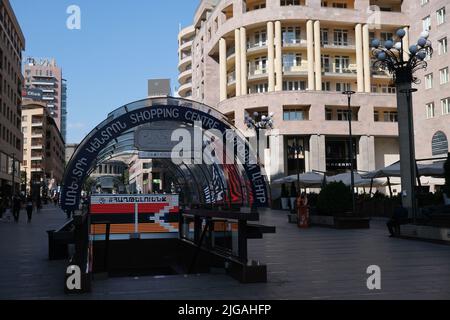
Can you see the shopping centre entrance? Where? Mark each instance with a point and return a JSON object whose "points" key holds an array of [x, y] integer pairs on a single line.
{"points": [[203, 223]]}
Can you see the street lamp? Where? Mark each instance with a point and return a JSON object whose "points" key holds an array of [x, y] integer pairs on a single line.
{"points": [[266, 123], [295, 151], [402, 63], [349, 95]]}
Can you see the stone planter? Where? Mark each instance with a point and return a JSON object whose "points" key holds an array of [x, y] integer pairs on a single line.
{"points": [[341, 222]]}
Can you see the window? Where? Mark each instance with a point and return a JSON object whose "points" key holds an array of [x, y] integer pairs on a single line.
{"points": [[339, 5], [328, 114], [440, 14], [342, 63], [376, 116], [290, 2], [424, 2], [429, 81], [326, 86], [326, 63], [444, 75], [294, 85], [343, 115], [291, 35], [340, 37], [260, 39], [430, 110], [442, 46], [259, 88], [439, 144], [390, 116], [341, 87], [426, 23], [445, 103], [324, 36], [294, 115], [385, 36], [291, 61]]}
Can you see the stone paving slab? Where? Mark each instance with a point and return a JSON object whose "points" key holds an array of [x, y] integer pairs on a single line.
{"points": [[318, 263]]}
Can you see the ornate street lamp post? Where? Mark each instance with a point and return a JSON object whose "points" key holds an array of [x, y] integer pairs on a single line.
{"points": [[402, 63], [349, 95], [266, 123], [295, 152]]}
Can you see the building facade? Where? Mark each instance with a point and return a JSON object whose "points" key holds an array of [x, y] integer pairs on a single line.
{"points": [[294, 59], [43, 149], [44, 83], [185, 38], [432, 101], [12, 43]]}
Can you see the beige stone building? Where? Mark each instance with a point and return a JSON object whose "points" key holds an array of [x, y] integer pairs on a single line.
{"points": [[185, 38], [43, 148], [12, 43], [432, 101], [294, 58]]}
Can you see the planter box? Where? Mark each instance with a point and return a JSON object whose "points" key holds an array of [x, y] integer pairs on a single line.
{"points": [[426, 233], [341, 222]]}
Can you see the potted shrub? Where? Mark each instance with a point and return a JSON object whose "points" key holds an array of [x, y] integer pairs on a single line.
{"points": [[335, 199], [447, 181], [335, 207], [293, 195], [284, 198]]}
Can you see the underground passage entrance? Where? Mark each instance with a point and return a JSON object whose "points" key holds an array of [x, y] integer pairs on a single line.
{"points": [[201, 218]]}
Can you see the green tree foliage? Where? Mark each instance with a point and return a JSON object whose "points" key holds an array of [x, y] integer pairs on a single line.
{"points": [[335, 199]]}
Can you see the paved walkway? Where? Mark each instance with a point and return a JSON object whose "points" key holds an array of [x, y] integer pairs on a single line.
{"points": [[319, 263]]}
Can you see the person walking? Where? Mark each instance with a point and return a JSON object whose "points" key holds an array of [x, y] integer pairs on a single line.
{"points": [[29, 206], [16, 208]]}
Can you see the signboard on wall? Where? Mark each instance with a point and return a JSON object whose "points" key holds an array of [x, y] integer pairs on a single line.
{"points": [[134, 209], [35, 94]]}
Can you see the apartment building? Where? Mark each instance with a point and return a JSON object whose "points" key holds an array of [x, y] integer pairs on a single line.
{"points": [[43, 148], [12, 43], [432, 101], [294, 58], [185, 38], [44, 83]]}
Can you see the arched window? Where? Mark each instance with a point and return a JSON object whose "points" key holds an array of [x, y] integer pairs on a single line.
{"points": [[439, 144]]}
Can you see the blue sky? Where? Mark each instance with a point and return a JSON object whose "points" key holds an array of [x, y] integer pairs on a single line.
{"points": [[121, 44]]}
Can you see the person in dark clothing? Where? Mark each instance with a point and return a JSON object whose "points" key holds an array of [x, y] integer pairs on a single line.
{"points": [[29, 206], [399, 217], [16, 208]]}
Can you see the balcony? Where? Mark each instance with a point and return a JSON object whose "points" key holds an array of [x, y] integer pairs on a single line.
{"points": [[231, 78], [42, 82], [257, 72], [183, 77], [294, 42], [253, 47], [183, 89], [335, 70], [184, 62], [294, 70]]}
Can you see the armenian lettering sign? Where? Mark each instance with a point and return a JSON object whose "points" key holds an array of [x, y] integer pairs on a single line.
{"points": [[161, 210], [152, 111]]}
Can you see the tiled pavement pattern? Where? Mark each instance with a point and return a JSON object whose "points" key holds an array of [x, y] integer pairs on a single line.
{"points": [[319, 263]]}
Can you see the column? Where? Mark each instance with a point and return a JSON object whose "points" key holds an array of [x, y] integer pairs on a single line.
{"points": [[223, 69], [406, 43], [317, 153], [277, 157], [237, 57], [278, 57], [366, 158], [318, 56], [367, 54], [244, 70], [310, 44], [359, 57], [271, 56]]}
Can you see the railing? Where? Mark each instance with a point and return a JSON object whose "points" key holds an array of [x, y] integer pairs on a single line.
{"points": [[334, 68], [291, 67], [259, 44], [253, 71]]}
